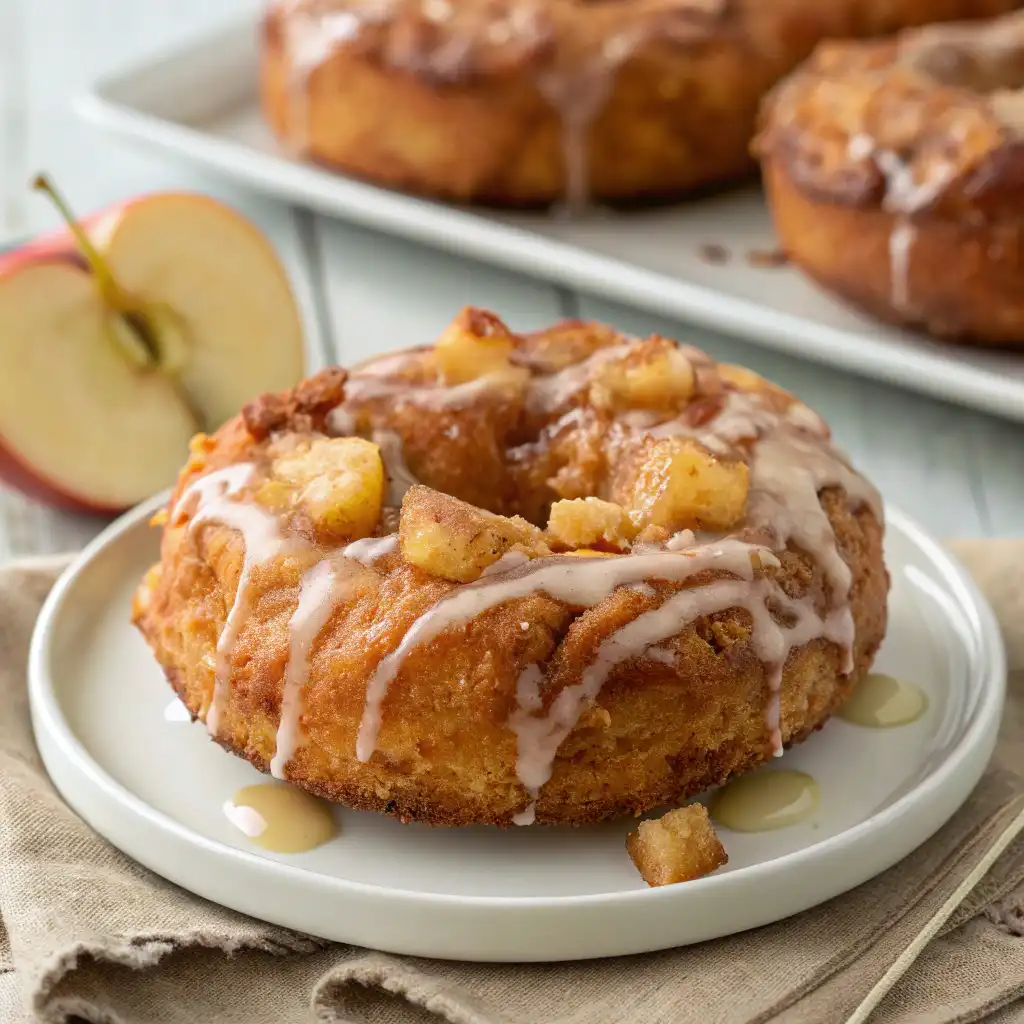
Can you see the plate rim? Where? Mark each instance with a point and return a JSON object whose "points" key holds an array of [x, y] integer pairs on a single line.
{"points": [[940, 374], [48, 717]]}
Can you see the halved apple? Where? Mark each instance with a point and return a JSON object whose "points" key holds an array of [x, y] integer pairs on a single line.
{"points": [[80, 425], [118, 345]]}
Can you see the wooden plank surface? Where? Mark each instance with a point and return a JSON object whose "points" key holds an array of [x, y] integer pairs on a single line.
{"points": [[960, 473]]}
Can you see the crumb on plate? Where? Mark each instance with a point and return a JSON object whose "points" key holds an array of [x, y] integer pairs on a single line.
{"points": [[677, 847], [714, 253]]}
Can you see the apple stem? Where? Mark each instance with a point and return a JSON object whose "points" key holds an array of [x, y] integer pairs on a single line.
{"points": [[111, 291], [136, 315]]}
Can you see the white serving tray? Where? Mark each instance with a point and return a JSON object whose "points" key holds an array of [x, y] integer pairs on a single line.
{"points": [[201, 102]]}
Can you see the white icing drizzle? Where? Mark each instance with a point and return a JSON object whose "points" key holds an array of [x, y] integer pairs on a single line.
{"points": [[371, 549], [527, 816], [540, 736], [225, 483], [901, 240], [310, 37], [662, 654], [904, 196], [321, 589], [545, 393], [578, 95], [262, 540], [581, 582], [743, 416], [438, 396], [319, 595], [860, 146], [786, 474], [681, 540], [341, 422], [528, 699], [791, 461], [806, 419], [552, 391], [509, 560], [399, 476]]}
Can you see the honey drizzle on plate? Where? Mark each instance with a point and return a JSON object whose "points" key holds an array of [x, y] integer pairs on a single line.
{"points": [[280, 818], [881, 701], [765, 801]]}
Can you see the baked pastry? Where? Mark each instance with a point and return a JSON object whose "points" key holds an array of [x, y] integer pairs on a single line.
{"points": [[895, 175], [559, 576], [526, 102]]}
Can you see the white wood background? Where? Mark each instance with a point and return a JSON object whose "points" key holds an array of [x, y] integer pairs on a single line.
{"points": [[960, 473]]}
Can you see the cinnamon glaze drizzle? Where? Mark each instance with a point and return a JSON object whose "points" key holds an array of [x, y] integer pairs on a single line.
{"points": [[791, 460]]}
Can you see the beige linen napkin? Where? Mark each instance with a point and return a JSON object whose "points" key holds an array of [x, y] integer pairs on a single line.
{"points": [[85, 931]]}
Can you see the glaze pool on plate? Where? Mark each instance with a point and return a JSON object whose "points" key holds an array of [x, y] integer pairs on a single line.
{"points": [[156, 788]]}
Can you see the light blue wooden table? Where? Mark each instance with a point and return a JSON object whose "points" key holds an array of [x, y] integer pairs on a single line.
{"points": [[960, 473]]}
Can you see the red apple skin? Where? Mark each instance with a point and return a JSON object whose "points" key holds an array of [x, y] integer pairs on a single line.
{"points": [[33, 484], [60, 244], [54, 246]]}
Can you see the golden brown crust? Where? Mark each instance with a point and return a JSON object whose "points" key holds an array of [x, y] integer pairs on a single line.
{"points": [[490, 100], [895, 176], [660, 729], [958, 281]]}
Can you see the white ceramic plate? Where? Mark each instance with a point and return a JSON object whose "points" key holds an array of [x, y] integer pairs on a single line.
{"points": [[155, 789], [201, 103]]}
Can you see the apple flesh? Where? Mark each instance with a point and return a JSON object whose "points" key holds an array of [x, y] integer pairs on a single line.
{"points": [[96, 416], [80, 427], [220, 277]]}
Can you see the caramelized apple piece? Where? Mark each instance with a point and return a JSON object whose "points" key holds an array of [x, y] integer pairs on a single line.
{"points": [[677, 847], [583, 522], [457, 541], [747, 380], [741, 377], [340, 483], [654, 375], [680, 485], [475, 344]]}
